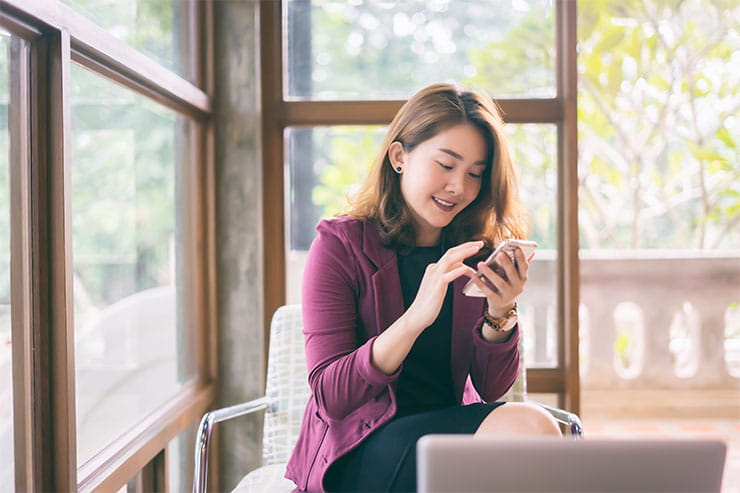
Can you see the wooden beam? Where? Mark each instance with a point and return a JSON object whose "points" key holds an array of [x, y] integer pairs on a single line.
{"points": [[325, 113], [57, 325], [567, 226], [25, 414], [122, 459], [273, 208], [544, 381], [97, 49]]}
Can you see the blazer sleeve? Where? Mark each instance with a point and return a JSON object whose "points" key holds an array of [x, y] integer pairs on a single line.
{"points": [[494, 366], [340, 373]]}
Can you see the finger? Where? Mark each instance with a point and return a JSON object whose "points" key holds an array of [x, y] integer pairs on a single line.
{"points": [[492, 277], [522, 264], [461, 252], [493, 296], [506, 289], [493, 274], [455, 273], [470, 272], [504, 260]]}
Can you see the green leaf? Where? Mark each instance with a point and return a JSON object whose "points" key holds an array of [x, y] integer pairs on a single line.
{"points": [[724, 135], [732, 210], [615, 77], [611, 38], [659, 83]]}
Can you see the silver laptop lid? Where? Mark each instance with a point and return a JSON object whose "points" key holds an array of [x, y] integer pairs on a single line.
{"points": [[464, 463]]}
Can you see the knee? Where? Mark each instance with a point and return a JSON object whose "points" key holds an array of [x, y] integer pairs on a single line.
{"points": [[519, 418]]}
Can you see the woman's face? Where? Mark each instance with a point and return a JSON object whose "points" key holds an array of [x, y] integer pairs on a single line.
{"points": [[440, 177]]}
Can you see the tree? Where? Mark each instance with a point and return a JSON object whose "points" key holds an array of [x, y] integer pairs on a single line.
{"points": [[659, 90]]}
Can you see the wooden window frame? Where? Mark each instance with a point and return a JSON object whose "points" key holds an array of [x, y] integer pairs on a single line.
{"points": [[47, 38], [280, 113]]}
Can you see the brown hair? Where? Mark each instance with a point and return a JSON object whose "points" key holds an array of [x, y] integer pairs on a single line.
{"points": [[494, 215]]}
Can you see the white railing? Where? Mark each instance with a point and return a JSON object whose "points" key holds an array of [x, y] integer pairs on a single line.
{"points": [[649, 318]]}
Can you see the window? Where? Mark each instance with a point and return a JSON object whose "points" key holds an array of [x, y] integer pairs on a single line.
{"points": [[348, 66], [6, 340], [103, 239], [160, 30], [659, 207], [133, 351], [387, 50]]}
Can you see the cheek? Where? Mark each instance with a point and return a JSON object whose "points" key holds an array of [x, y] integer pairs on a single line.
{"points": [[475, 189]]}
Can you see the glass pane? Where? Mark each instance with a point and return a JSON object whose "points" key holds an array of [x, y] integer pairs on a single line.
{"points": [[7, 469], [659, 206], [388, 49], [158, 28], [181, 460], [133, 348], [327, 164], [534, 152]]}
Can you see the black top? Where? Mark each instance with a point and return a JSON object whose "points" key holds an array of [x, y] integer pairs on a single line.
{"points": [[425, 382]]}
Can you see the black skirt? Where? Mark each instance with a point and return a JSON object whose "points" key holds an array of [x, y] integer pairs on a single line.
{"points": [[386, 460]]}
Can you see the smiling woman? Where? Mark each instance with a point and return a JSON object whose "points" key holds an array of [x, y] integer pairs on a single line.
{"points": [[394, 350], [440, 177]]}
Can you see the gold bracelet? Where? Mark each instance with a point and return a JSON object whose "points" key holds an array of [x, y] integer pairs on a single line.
{"points": [[498, 324]]}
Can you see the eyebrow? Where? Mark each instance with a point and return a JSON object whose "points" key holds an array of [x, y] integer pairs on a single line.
{"points": [[458, 156]]}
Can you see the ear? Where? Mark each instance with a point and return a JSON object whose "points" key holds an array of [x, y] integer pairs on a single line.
{"points": [[396, 155]]}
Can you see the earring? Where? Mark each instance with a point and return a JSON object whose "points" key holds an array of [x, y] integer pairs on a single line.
{"points": [[398, 168]]}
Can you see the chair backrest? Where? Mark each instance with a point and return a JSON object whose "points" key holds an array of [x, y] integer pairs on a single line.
{"points": [[287, 385]]}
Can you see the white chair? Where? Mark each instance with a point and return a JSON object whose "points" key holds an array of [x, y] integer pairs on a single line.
{"points": [[286, 395]]}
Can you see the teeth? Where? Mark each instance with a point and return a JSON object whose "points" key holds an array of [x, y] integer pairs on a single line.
{"points": [[446, 204]]}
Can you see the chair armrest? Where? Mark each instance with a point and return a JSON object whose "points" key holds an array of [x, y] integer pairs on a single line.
{"points": [[570, 420], [203, 438]]}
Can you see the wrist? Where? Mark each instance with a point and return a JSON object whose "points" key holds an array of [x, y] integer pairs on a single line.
{"points": [[504, 322], [500, 311], [409, 324]]}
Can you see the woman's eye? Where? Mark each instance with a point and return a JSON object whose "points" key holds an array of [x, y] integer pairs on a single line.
{"points": [[474, 175], [444, 165]]}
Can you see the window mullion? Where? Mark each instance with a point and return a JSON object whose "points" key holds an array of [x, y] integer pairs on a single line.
{"points": [[55, 324], [20, 265], [567, 196]]}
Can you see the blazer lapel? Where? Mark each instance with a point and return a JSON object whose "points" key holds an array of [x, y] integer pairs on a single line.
{"points": [[466, 311], [388, 297]]}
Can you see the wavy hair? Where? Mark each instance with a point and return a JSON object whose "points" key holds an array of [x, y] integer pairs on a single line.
{"points": [[496, 212]]}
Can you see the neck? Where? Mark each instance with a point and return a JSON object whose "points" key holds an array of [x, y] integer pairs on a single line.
{"points": [[428, 238]]}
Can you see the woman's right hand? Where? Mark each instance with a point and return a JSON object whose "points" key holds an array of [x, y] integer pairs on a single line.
{"points": [[433, 288]]}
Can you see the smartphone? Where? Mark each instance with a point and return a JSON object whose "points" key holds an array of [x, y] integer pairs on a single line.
{"points": [[508, 246]]}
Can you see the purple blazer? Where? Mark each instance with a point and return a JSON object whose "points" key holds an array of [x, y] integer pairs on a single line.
{"points": [[351, 293]]}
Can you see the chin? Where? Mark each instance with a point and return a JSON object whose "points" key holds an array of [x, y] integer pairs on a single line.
{"points": [[441, 223]]}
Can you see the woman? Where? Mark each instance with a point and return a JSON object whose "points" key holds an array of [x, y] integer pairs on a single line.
{"points": [[394, 349]]}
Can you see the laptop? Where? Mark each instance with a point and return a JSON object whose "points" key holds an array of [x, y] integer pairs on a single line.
{"points": [[466, 463]]}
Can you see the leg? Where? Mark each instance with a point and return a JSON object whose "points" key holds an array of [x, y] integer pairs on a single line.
{"points": [[386, 460], [518, 418]]}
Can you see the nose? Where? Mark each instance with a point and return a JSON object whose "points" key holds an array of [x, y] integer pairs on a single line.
{"points": [[455, 183]]}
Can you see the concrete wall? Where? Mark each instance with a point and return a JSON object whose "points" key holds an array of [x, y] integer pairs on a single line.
{"points": [[239, 216]]}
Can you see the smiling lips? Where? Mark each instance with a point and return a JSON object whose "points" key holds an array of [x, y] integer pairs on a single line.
{"points": [[443, 204]]}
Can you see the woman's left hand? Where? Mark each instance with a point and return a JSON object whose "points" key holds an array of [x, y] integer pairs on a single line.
{"points": [[502, 298]]}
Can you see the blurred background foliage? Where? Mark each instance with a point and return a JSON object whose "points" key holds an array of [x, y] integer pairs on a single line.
{"points": [[123, 189], [658, 116], [658, 104], [659, 85]]}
